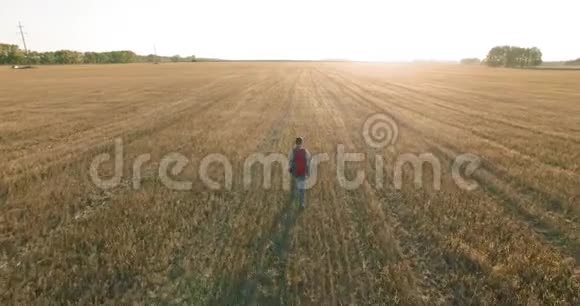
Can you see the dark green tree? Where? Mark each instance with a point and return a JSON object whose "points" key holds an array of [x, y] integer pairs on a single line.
{"points": [[511, 56], [11, 54]]}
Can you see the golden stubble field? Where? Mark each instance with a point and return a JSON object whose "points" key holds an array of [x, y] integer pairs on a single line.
{"points": [[513, 240]]}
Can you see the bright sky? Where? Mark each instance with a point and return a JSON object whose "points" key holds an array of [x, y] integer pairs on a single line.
{"points": [[297, 29]]}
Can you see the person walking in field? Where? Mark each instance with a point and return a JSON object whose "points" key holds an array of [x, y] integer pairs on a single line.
{"points": [[299, 168]]}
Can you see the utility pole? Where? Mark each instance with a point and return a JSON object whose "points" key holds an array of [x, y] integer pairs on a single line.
{"points": [[155, 52], [23, 39]]}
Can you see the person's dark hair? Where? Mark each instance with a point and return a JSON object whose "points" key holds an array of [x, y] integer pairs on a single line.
{"points": [[298, 141]]}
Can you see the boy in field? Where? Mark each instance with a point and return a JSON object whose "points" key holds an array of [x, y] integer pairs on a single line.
{"points": [[299, 168]]}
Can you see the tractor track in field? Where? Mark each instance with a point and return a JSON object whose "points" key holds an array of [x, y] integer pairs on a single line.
{"points": [[264, 281], [418, 94], [74, 148], [444, 147], [554, 200], [556, 237], [342, 211], [513, 200], [508, 242], [409, 244], [223, 231], [374, 220], [244, 287], [366, 256], [99, 199], [441, 102], [519, 124], [438, 101]]}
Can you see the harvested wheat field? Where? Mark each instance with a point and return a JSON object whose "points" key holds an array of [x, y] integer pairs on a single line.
{"points": [[513, 239]]}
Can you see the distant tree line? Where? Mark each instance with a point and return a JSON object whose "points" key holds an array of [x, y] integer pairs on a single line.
{"points": [[13, 55], [575, 62], [515, 57], [470, 61]]}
